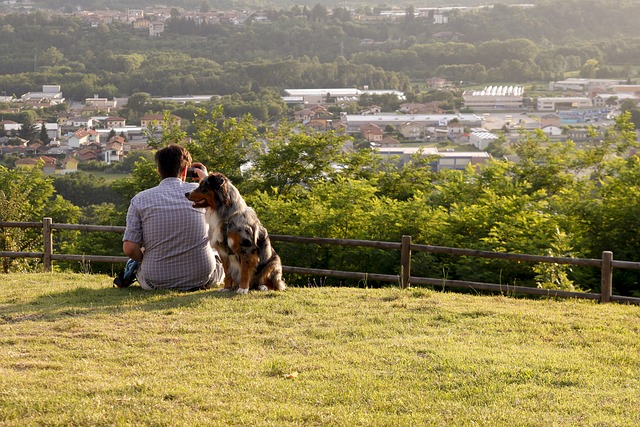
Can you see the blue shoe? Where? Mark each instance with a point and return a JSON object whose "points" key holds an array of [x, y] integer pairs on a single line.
{"points": [[125, 278]]}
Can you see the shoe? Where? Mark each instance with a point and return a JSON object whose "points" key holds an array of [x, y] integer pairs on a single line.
{"points": [[119, 281], [125, 278]]}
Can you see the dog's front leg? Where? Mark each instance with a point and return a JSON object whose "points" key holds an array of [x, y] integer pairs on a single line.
{"points": [[245, 277], [226, 265], [248, 268], [246, 259]]}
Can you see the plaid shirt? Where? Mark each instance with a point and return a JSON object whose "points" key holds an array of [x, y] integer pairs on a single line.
{"points": [[174, 235]]}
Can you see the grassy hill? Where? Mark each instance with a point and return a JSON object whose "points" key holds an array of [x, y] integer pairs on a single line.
{"points": [[76, 351]]}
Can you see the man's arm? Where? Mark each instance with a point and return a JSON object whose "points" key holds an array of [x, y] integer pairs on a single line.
{"points": [[200, 171], [132, 250]]}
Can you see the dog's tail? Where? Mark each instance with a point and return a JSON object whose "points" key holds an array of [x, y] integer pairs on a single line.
{"points": [[263, 243], [271, 262]]}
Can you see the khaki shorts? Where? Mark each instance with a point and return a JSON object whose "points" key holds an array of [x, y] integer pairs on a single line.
{"points": [[215, 280]]}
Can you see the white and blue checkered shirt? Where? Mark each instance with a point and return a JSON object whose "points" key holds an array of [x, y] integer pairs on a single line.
{"points": [[177, 254]]}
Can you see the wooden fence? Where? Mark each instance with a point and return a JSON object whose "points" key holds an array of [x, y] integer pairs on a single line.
{"points": [[606, 264]]}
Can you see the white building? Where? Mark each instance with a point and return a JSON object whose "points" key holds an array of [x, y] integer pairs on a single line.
{"points": [[50, 93], [134, 14], [53, 130], [319, 96], [340, 95], [354, 122], [440, 18], [494, 98], [580, 84], [82, 122], [397, 93], [552, 130], [602, 99], [10, 126], [156, 28], [188, 98], [132, 133], [100, 103], [482, 139], [459, 160], [562, 103], [442, 160]]}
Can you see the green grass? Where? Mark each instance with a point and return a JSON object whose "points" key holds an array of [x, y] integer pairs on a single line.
{"points": [[109, 176], [76, 352]]}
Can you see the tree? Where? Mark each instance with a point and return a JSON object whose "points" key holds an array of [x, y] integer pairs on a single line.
{"points": [[499, 148], [28, 131], [51, 56], [546, 165], [628, 105], [165, 133], [84, 189], [341, 14], [612, 101], [338, 208], [387, 102], [223, 145], [44, 136], [590, 68], [410, 14], [139, 102], [318, 13], [28, 197], [128, 163], [99, 243], [635, 117], [293, 158], [144, 175], [103, 29]]}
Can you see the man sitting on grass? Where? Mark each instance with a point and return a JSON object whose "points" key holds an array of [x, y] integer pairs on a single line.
{"points": [[165, 236]]}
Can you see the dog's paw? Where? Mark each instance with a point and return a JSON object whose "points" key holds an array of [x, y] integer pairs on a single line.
{"points": [[242, 291], [263, 288], [224, 290]]}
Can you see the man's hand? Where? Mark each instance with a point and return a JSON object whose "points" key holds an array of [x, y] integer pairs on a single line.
{"points": [[199, 170], [132, 250]]}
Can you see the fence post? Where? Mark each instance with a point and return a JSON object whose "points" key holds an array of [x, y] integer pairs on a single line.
{"points": [[405, 261], [47, 236], [607, 276]]}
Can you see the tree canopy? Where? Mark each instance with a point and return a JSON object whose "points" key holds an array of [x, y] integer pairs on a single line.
{"points": [[318, 49]]}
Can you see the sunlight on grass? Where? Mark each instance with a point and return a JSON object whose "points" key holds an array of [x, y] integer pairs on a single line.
{"points": [[78, 352]]}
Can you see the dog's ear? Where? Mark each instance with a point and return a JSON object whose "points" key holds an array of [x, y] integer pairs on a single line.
{"points": [[213, 181], [222, 183], [218, 179]]}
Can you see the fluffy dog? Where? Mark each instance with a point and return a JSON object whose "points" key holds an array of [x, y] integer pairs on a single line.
{"points": [[236, 233]]}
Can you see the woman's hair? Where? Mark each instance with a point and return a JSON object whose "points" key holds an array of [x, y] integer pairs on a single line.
{"points": [[171, 160]]}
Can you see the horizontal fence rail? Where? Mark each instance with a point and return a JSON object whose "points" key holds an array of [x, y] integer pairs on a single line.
{"points": [[606, 264]]}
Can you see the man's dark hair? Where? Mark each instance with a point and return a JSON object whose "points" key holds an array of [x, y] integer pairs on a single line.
{"points": [[172, 160]]}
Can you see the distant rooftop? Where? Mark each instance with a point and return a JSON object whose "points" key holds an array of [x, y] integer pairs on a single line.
{"points": [[187, 98]]}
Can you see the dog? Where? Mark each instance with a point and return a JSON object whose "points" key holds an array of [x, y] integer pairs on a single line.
{"points": [[236, 233]]}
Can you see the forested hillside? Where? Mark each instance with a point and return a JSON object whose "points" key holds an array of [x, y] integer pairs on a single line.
{"points": [[318, 49], [245, 4]]}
